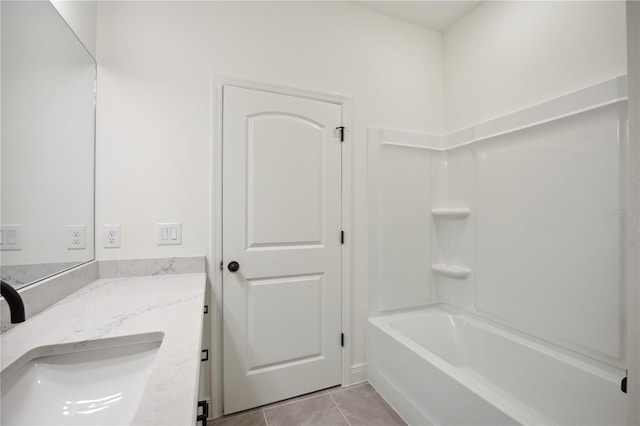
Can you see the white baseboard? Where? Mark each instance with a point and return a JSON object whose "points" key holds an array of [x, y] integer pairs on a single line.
{"points": [[359, 373]]}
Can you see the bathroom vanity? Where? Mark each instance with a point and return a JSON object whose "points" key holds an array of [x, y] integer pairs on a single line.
{"points": [[128, 350]]}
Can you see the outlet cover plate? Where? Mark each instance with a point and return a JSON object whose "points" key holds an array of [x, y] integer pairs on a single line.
{"points": [[111, 236], [76, 237]]}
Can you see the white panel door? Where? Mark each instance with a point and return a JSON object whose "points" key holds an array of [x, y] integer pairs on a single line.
{"points": [[281, 224]]}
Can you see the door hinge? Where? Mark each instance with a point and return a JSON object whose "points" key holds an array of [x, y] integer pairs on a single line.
{"points": [[204, 356], [205, 412], [341, 237], [623, 383], [342, 339], [341, 129], [221, 265], [206, 309]]}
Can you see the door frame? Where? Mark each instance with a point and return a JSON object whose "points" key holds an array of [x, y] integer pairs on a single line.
{"points": [[217, 104]]}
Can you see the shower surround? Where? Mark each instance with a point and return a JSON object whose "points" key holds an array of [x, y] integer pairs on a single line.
{"points": [[519, 222]]}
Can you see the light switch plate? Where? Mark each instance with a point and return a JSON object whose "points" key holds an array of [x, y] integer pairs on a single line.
{"points": [[169, 234], [10, 237]]}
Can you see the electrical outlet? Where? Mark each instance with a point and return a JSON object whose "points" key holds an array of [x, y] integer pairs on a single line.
{"points": [[111, 236], [76, 237]]}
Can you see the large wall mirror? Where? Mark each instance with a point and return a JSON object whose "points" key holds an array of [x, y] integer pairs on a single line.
{"points": [[46, 146]]}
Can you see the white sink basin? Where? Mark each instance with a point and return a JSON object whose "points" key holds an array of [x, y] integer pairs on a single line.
{"points": [[83, 383]]}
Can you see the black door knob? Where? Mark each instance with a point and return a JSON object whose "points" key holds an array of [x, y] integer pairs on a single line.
{"points": [[233, 266]]}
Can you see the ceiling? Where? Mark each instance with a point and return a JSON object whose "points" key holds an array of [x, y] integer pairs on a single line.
{"points": [[437, 15]]}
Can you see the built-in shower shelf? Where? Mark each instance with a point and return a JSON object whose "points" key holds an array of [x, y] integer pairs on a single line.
{"points": [[452, 213], [452, 271]]}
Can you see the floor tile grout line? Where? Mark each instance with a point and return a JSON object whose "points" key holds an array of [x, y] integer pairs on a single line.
{"points": [[266, 422], [339, 409]]}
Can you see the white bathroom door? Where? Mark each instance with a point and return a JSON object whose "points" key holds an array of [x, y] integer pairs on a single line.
{"points": [[281, 226]]}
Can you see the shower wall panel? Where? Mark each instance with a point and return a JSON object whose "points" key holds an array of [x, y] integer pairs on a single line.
{"points": [[549, 231], [400, 206]]}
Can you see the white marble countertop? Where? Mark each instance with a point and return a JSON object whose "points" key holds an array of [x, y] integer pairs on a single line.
{"points": [[114, 307]]}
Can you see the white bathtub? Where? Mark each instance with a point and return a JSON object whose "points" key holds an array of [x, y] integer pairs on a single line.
{"points": [[440, 366]]}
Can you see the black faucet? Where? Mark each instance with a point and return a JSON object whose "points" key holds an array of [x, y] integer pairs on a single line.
{"points": [[15, 302]]}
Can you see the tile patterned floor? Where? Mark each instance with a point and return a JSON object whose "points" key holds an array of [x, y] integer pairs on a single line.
{"points": [[358, 405]]}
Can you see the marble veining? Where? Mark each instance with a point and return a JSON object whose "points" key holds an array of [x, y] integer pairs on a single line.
{"points": [[146, 267], [115, 307]]}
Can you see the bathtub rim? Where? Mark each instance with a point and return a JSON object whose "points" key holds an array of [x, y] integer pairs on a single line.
{"points": [[499, 402], [602, 369], [502, 403]]}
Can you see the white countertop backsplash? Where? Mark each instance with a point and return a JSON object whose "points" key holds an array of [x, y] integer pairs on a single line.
{"points": [[112, 307], [40, 295], [144, 267]]}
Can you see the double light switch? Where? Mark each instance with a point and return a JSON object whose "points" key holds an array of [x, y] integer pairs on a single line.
{"points": [[169, 234]]}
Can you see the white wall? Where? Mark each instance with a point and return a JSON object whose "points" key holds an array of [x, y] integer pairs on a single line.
{"points": [[155, 112], [508, 55], [81, 16]]}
